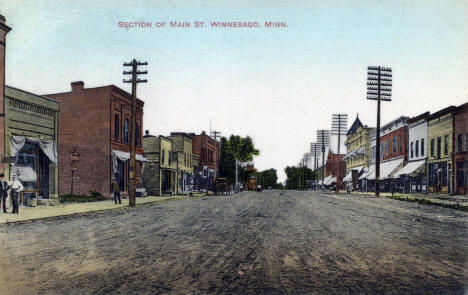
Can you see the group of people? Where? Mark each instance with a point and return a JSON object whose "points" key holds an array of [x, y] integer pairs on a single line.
{"points": [[15, 187]]}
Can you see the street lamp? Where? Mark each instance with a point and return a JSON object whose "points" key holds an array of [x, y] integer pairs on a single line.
{"points": [[379, 87]]}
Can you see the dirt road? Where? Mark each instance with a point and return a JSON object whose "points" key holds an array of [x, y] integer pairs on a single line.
{"points": [[249, 243]]}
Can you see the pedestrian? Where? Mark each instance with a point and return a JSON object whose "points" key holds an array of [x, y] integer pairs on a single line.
{"points": [[3, 192], [15, 188], [116, 190]]}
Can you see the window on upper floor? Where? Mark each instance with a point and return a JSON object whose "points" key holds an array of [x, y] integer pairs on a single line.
{"points": [[446, 139], [422, 147], [439, 146], [116, 127], [459, 142], [399, 144], [394, 145], [163, 153], [137, 134], [411, 150], [466, 144], [417, 148], [432, 147], [126, 130]]}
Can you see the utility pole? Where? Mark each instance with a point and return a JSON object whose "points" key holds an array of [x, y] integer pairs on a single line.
{"points": [[379, 87], [323, 139], [134, 80]]}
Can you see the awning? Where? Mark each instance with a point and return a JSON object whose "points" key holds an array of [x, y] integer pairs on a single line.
{"points": [[386, 169], [329, 180], [48, 147], [410, 167], [124, 156], [355, 153], [349, 176], [389, 167]]}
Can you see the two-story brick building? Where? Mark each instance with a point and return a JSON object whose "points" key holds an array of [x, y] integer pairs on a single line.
{"points": [[207, 149], [393, 154], [460, 149], [94, 139], [440, 145]]}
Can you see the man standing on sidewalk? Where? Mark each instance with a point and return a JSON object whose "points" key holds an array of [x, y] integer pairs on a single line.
{"points": [[116, 190], [3, 192], [16, 187]]}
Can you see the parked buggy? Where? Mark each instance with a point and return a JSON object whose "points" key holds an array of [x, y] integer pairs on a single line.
{"points": [[222, 187]]}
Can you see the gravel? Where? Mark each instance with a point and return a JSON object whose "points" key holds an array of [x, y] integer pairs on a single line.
{"points": [[271, 242]]}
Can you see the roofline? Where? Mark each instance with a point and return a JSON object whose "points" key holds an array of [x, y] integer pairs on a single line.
{"points": [[442, 112], [389, 123], [118, 89], [165, 137], [419, 117], [38, 95]]}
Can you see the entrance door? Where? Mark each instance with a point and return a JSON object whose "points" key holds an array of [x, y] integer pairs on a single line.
{"points": [[44, 179]]}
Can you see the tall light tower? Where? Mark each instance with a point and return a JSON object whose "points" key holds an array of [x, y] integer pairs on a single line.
{"points": [[323, 139], [339, 126], [315, 150], [379, 87]]}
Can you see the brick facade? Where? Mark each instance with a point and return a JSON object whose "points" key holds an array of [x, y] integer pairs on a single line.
{"points": [[88, 126], [460, 150], [207, 149], [4, 29]]}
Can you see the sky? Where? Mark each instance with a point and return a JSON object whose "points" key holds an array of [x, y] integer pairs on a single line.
{"points": [[277, 85]]}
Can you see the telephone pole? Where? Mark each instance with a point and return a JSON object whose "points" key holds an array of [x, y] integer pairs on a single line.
{"points": [[134, 80], [379, 87]]}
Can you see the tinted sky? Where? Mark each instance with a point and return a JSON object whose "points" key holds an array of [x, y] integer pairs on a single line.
{"points": [[277, 85]]}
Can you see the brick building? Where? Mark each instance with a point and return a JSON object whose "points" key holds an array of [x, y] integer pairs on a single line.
{"points": [[335, 170], [94, 139], [4, 29], [207, 149], [460, 150], [393, 154]]}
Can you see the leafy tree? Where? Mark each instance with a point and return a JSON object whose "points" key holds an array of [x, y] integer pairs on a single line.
{"points": [[267, 178], [236, 147], [297, 177]]}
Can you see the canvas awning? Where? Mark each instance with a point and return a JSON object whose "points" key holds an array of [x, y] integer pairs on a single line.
{"points": [[410, 168], [349, 176], [369, 174], [387, 168], [124, 156], [48, 147], [355, 153]]}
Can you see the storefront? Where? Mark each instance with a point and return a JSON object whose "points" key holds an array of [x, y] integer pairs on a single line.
{"points": [[412, 177], [31, 143], [121, 169]]}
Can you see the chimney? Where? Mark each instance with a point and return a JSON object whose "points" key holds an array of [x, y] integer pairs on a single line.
{"points": [[77, 86], [4, 29]]}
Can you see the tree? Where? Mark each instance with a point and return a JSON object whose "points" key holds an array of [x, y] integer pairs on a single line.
{"points": [[298, 177], [267, 178], [235, 148]]}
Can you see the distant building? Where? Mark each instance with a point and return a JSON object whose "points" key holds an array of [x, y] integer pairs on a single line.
{"points": [[207, 149], [358, 156], [160, 172], [440, 144], [182, 148], [95, 126], [335, 170], [461, 150]]}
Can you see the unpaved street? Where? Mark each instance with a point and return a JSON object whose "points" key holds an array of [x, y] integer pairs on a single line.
{"points": [[249, 243]]}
